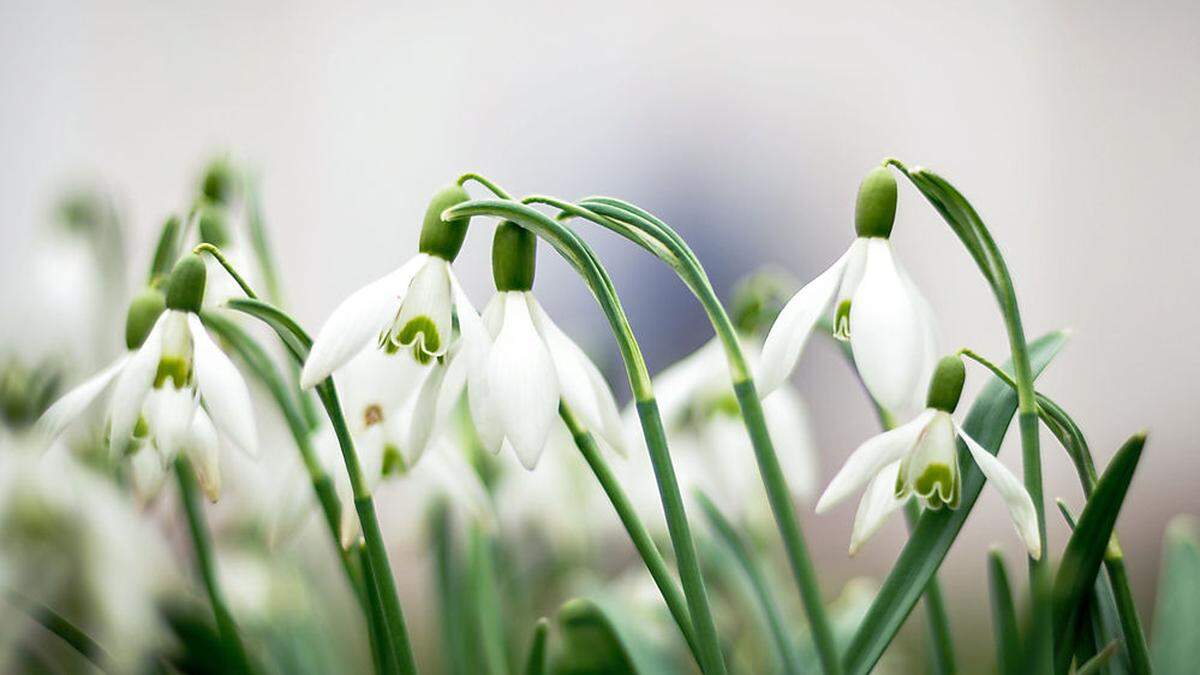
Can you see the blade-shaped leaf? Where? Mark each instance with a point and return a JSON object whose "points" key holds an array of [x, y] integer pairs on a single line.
{"points": [[987, 423], [590, 642], [1085, 549], [294, 338], [1177, 612], [535, 662], [1004, 616], [1103, 618]]}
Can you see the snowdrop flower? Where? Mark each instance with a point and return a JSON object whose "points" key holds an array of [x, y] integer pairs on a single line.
{"points": [[875, 306], [708, 438], [921, 458], [515, 385], [411, 311], [174, 390]]}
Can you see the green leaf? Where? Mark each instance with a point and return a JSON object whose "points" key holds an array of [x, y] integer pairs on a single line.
{"points": [[1094, 664], [294, 338], [1177, 611], [535, 663], [987, 423], [1088, 543], [590, 644], [489, 623], [1102, 620], [1004, 616]]}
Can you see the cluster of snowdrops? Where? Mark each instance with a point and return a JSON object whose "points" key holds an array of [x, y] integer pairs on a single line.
{"points": [[407, 381]]}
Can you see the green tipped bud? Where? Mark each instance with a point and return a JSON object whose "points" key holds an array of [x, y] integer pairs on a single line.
{"points": [[444, 238], [213, 228], [219, 184], [875, 211], [164, 253], [514, 257], [144, 311], [185, 288], [946, 386]]}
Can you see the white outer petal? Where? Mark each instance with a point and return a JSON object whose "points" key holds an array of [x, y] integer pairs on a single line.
{"points": [[170, 416], [147, 473], [788, 423], [68, 408], [887, 333], [1016, 498], [677, 385], [878, 502], [870, 458], [131, 388], [931, 340], [423, 422], [795, 323], [521, 382], [483, 412], [223, 390], [353, 323], [201, 448], [581, 384]]}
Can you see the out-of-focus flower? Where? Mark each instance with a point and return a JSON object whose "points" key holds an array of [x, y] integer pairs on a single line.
{"points": [[71, 542], [174, 391], [26, 392], [875, 306], [530, 364], [708, 439], [921, 458]]}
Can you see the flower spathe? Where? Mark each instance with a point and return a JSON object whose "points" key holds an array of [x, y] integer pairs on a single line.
{"points": [[872, 302], [514, 387], [920, 458]]}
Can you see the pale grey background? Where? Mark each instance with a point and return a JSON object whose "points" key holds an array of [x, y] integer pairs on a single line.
{"points": [[1072, 127]]}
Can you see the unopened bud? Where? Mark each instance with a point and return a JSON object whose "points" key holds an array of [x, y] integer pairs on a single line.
{"points": [[875, 211], [444, 238], [213, 228], [144, 311], [185, 288]]}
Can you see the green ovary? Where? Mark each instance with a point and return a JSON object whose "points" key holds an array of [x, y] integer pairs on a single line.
{"points": [[176, 369]]}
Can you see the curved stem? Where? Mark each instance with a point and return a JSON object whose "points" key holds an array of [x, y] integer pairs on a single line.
{"points": [[638, 534], [485, 182], [202, 543], [376, 561], [619, 216], [967, 224], [575, 251]]}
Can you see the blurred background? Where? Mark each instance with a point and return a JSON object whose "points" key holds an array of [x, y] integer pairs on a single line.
{"points": [[1070, 126]]}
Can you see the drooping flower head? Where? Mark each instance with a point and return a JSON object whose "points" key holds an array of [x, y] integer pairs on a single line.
{"points": [[174, 390], [921, 459], [872, 303], [418, 312], [515, 384]]}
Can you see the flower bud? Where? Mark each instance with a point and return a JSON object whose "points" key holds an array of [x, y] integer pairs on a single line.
{"points": [[875, 211], [219, 185], [514, 257], [945, 388], [144, 311], [185, 288], [212, 227], [444, 238]]}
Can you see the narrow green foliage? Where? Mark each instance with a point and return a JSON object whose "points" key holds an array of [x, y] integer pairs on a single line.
{"points": [[72, 635], [987, 423], [489, 623], [1177, 611], [1088, 543], [535, 662], [1097, 662], [590, 644], [1009, 656]]}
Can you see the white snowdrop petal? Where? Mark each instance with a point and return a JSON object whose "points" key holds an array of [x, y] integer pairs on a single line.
{"points": [[787, 421], [68, 408], [521, 382], [146, 473], [223, 390], [170, 418], [887, 333], [931, 341], [1016, 498], [355, 322], [201, 449], [878, 502], [483, 413], [423, 416], [131, 388], [795, 322], [870, 458]]}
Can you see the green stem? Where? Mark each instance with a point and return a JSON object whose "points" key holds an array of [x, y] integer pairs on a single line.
{"points": [[376, 556], [68, 632], [535, 664], [1004, 617], [1073, 441], [202, 543], [488, 621], [638, 534], [641, 227], [575, 251], [382, 647], [448, 578], [763, 593], [967, 224]]}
